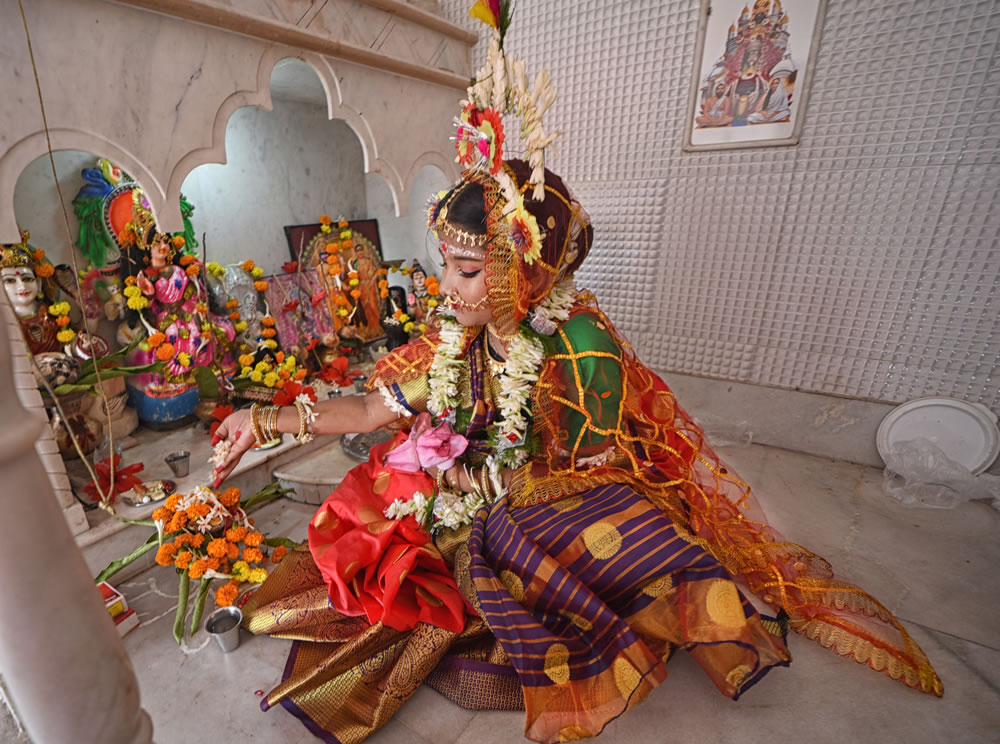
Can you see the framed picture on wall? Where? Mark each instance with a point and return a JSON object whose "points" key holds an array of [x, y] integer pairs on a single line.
{"points": [[754, 64], [347, 269], [299, 236]]}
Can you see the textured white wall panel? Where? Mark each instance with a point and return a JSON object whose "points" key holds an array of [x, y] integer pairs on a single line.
{"points": [[862, 262]]}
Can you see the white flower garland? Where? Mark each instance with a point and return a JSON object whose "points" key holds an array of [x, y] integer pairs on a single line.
{"points": [[520, 371], [445, 369], [444, 510], [547, 317]]}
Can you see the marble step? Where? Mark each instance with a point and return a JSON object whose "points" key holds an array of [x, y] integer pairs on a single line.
{"points": [[316, 474]]}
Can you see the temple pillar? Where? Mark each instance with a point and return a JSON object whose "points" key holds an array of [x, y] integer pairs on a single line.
{"points": [[63, 663]]}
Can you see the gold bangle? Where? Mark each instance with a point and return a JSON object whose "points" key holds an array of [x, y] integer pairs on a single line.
{"points": [[301, 436], [275, 433], [255, 422], [484, 477], [441, 483], [271, 423], [265, 433]]}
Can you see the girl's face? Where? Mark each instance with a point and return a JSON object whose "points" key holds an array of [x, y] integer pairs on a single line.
{"points": [[463, 279]]}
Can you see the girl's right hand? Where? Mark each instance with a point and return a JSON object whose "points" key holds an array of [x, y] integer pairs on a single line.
{"points": [[236, 430]]}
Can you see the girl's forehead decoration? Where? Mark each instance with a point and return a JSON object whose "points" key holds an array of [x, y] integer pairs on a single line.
{"points": [[459, 252]]}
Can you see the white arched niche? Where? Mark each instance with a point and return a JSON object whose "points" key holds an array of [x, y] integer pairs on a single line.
{"points": [[286, 166], [404, 237]]}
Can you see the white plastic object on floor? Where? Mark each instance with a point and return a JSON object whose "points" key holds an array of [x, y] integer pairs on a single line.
{"points": [[965, 432]]}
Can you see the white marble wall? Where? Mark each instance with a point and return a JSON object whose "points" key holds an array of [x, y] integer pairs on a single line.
{"points": [[154, 92], [404, 237], [36, 203], [284, 167]]}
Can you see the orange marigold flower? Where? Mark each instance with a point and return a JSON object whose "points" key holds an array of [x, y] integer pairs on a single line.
{"points": [[235, 534], [217, 548], [301, 374], [355, 293], [156, 339], [197, 511], [231, 303], [187, 259], [165, 352], [253, 539], [183, 539], [45, 270], [214, 563], [165, 554], [342, 223], [38, 254], [198, 540], [279, 552], [193, 270], [331, 260], [252, 555], [197, 569], [226, 595], [347, 244], [179, 242], [177, 522], [172, 502], [162, 514], [63, 321], [235, 315], [260, 285], [231, 497], [201, 308], [268, 332], [331, 248], [130, 281], [268, 321], [352, 275], [383, 293], [248, 265], [232, 551], [280, 357], [183, 559], [332, 270]]}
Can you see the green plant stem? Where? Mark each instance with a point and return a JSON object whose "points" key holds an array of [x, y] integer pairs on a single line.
{"points": [[140, 522], [199, 605], [115, 566], [182, 602]]}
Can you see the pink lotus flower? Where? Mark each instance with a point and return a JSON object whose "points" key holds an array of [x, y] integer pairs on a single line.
{"points": [[440, 446], [427, 447], [405, 457]]}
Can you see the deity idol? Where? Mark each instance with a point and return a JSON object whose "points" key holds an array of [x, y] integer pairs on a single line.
{"points": [[41, 323], [169, 301]]}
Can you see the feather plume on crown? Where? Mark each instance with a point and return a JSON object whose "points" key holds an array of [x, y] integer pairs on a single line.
{"points": [[501, 88]]}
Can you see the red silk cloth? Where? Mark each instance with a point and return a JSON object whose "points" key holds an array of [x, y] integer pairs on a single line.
{"points": [[385, 569]]}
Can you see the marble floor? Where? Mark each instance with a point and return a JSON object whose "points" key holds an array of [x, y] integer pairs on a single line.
{"points": [[937, 570]]}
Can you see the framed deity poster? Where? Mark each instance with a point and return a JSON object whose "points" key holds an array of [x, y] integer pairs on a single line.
{"points": [[754, 64], [345, 263]]}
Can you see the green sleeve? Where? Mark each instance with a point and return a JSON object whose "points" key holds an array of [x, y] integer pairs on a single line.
{"points": [[590, 367]]}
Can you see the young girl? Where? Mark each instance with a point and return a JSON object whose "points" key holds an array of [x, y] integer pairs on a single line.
{"points": [[552, 529]]}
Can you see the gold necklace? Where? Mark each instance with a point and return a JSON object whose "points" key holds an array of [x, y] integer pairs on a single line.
{"points": [[497, 367]]}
